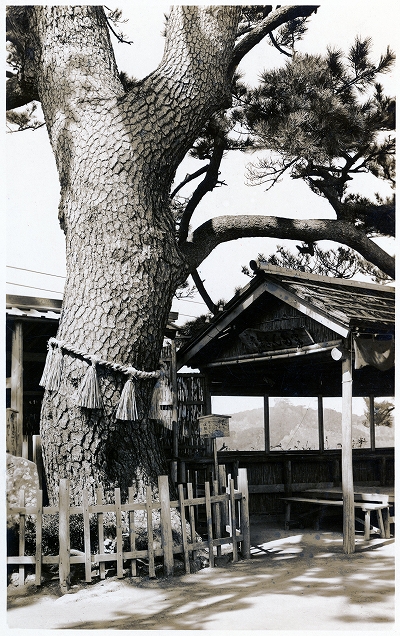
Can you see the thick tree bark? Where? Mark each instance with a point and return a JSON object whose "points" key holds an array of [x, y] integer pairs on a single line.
{"points": [[117, 154]]}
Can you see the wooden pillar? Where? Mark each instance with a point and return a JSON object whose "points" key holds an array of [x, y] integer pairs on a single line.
{"points": [[266, 425], [321, 443], [17, 376], [347, 457], [174, 386], [372, 422]]}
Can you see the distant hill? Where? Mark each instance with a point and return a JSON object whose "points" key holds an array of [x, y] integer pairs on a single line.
{"points": [[293, 427]]}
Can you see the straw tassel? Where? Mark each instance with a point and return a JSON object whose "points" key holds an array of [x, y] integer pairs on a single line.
{"points": [[162, 397], [54, 369], [47, 366], [127, 409], [89, 396]]}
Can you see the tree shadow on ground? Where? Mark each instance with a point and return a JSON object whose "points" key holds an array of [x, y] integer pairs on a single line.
{"points": [[287, 572]]}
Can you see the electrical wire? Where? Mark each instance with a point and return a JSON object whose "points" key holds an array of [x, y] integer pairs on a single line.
{"points": [[23, 269], [53, 291]]}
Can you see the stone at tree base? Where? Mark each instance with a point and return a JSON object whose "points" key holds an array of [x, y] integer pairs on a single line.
{"points": [[21, 475]]}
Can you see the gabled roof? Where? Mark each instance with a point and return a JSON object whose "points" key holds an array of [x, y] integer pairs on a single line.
{"points": [[340, 305]]}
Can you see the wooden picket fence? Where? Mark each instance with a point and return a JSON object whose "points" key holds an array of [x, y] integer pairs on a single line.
{"points": [[227, 517]]}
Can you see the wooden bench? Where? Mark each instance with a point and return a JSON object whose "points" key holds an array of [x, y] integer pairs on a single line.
{"points": [[366, 503]]}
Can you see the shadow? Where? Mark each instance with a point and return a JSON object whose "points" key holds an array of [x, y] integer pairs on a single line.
{"points": [[290, 575]]}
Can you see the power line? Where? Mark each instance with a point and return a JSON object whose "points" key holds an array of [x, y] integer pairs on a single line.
{"points": [[53, 291], [22, 269]]}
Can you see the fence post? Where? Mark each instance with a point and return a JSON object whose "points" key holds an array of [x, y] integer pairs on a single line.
{"points": [[64, 536], [38, 553], [118, 524], [100, 530], [150, 536], [37, 457], [86, 536], [209, 525], [166, 529], [21, 550], [244, 516], [184, 533], [233, 519], [132, 532]]}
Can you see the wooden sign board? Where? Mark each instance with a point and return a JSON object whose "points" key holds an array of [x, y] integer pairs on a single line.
{"points": [[214, 425]]}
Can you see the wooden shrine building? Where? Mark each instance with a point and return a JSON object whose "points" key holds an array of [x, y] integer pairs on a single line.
{"points": [[294, 334]]}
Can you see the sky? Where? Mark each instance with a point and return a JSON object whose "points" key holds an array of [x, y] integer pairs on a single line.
{"points": [[34, 239]]}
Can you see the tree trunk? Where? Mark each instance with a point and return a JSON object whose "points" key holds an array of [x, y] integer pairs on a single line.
{"points": [[116, 155]]}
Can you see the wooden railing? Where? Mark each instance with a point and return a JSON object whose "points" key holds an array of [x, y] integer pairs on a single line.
{"points": [[226, 514]]}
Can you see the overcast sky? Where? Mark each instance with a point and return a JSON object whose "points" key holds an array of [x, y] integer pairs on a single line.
{"points": [[34, 240]]}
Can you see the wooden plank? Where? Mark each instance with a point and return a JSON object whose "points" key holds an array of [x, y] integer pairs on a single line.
{"points": [[21, 541], [100, 531], [64, 536], [86, 536], [192, 520], [166, 530], [347, 457], [38, 549], [150, 538], [183, 524], [118, 523], [132, 530], [209, 525], [232, 508], [245, 514]]}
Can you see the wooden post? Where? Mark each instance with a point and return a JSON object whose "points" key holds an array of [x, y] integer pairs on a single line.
{"points": [[233, 519], [64, 536], [321, 442], [183, 524], [37, 457], [100, 530], [372, 422], [21, 549], [39, 525], [166, 529], [217, 524], [267, 441], [118, 523], [132, 531], [347, 457], [86, 536], [150, 537], [192, 520], [288, 477], [17, 377], [209, 525], [215, 458], [245, 516], [222, 490]]}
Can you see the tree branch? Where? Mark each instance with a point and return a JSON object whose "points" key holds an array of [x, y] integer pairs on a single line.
{"points": [[207, 185], [203, 292], [263, 28], [229, 228]]}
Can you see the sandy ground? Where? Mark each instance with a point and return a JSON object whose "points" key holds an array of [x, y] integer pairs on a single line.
{"points": [[295, 580]]}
